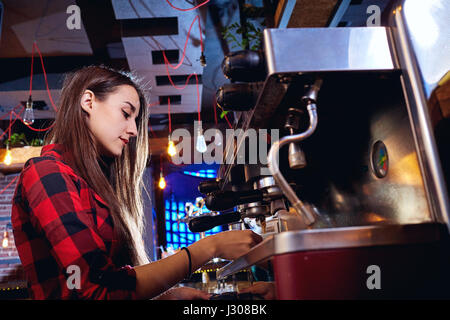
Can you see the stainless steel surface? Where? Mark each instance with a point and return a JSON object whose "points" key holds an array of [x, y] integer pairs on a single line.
{"points": [[271, 191], [340, 181], [297, 158], [354, 204], [326, 49], [254, 209], [257, 254], [357, 109], [305, 240], [296, 203], [313, 91], [264, 183], [427, 25], [423, 54], [316, 50]]}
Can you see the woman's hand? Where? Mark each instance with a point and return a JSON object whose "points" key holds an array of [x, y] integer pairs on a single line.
{"points": [[183, 293], [264, 289], [235, 243]]}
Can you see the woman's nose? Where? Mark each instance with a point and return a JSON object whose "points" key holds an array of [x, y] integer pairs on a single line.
{"points": [[132, 128]]}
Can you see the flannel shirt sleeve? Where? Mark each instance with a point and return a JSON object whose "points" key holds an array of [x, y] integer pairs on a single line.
{"points": [[57, 209]]}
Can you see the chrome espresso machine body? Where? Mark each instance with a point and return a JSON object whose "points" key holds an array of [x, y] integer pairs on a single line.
{"points": [[352, 202]]}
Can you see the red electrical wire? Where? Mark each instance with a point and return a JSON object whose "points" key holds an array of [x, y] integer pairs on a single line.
{"points": [[153, 104], [189, 9], [151, 129], [45, 77], [18, 116], [168, 64], [185, 84], [170, 121], [35, 46], [9, 184], [10, 124], [198, 97], [7, 114], [31, 73], [181, 88], [185, 44], [40, 130], [229, 124]]}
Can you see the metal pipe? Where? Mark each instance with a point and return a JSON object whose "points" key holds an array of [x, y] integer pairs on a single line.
{"points": [[304, 211]]}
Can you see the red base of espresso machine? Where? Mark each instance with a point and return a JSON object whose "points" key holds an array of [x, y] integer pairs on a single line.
{"points": [[414, 271]]}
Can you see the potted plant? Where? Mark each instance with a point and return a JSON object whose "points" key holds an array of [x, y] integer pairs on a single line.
{"points": [[20, 151]]}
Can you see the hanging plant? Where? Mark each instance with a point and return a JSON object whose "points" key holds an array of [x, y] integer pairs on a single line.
{"points": [[251, 33], [251, 36], [18, 140], [37, 142]]}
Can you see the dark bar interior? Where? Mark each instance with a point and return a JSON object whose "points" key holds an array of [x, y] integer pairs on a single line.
{"points": [[224, 150]]}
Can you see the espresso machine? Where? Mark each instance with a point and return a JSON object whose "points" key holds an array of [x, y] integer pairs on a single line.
{"points": [[351, 199]]}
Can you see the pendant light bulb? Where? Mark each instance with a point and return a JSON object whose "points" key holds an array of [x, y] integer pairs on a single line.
{"points": [[8, 158], [28, 115], [218, 138], [171, 150], [203, 60], [162, 182], [5, 241], [201, 142]]}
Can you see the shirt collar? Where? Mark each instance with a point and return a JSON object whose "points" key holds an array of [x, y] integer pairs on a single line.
{"points": [[58, 151]]}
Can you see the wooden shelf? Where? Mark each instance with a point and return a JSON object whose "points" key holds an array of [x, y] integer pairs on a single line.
{"points": [[19, 156]]}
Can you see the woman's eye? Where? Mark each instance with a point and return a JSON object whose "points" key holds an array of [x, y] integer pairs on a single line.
{"points": [[126, 115]]}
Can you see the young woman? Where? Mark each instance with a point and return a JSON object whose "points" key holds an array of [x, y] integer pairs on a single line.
{"points": [[77, 211]]}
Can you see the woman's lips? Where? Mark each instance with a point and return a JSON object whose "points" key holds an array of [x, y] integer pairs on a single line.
{"points": [[124, 141]]}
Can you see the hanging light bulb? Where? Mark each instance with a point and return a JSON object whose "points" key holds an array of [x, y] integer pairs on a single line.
{"points": [[8, 158], [28, 115], [162, 182], [171, 150], [218, 138], [5, 241], [203, 60], [201, 142]]}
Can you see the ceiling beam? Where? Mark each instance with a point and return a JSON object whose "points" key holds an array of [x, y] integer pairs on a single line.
{"points": [[102, 29], [17, 68]]}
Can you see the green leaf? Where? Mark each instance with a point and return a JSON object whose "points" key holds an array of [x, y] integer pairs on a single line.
{"points": [[223, 114]]}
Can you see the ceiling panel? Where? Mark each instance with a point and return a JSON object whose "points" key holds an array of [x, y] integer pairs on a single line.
{"points": [[138, 51]]}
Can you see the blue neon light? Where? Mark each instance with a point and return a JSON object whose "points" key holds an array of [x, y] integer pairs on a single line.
{"points": [[204, 173], [177, 232]]}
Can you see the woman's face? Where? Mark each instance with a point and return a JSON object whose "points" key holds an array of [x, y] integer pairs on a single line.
{"points": [[113, 120]]}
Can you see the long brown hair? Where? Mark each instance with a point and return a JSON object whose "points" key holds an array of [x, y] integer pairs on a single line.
{"points": [[122, 186]]}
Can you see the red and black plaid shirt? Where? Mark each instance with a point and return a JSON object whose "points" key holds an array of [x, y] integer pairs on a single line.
{"points": [[61, 226]]}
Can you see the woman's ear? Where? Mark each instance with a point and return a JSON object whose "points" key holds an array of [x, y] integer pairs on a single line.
{"points": [[87, 100]]}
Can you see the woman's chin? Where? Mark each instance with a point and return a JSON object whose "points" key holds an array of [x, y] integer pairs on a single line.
{"points": [[112, 153]]}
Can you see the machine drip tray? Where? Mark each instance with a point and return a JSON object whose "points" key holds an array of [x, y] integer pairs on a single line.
{"points": [[370, 262], [334, 238]]}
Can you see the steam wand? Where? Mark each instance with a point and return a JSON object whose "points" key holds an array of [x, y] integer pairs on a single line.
{"points": [[302, 210]]}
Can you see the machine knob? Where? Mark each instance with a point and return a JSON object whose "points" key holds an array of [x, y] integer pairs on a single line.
{"points": [[238, 96], [222, 200], [209, 186], [245, 66], [201, 224]]}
